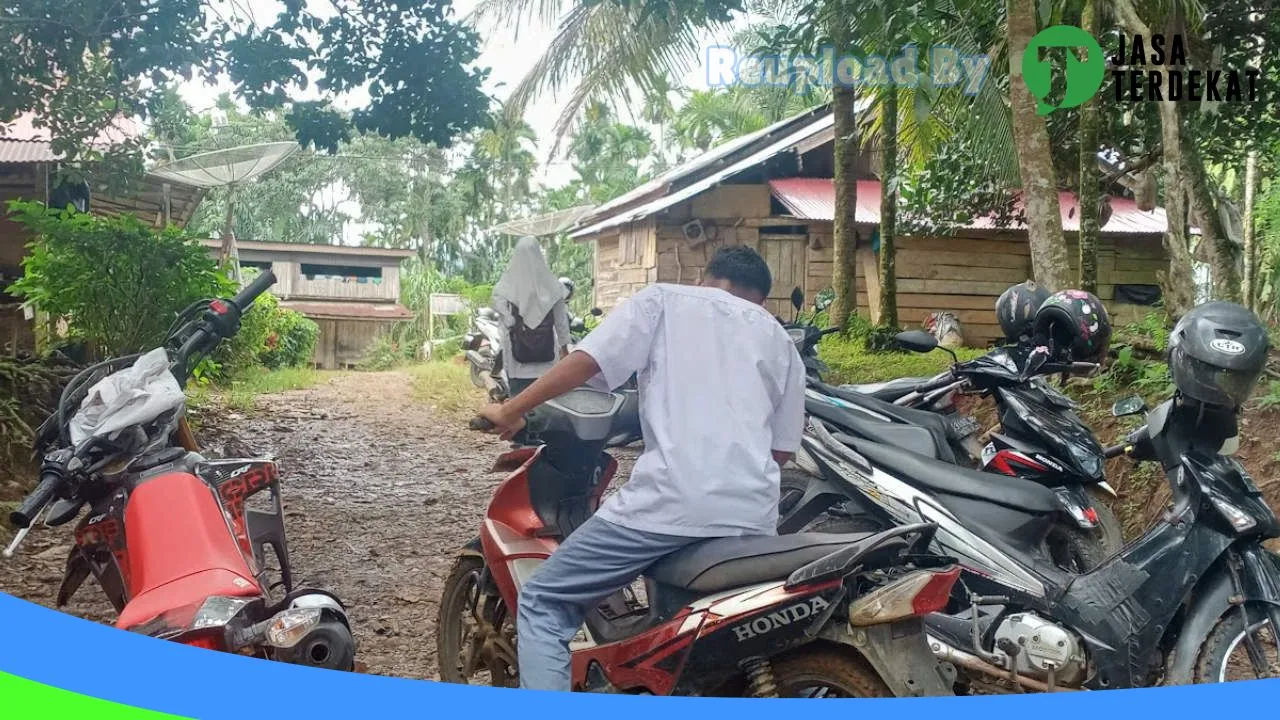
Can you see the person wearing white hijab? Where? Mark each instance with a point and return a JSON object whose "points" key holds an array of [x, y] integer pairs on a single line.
{"points": [[529, 288]]}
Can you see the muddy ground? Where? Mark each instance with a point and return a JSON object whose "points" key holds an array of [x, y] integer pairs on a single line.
{"points": [[380, 489]]}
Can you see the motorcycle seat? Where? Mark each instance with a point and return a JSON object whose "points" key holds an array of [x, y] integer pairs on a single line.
{"points": [[887, 391], [925, 439], [946, 479], [710, 566]]}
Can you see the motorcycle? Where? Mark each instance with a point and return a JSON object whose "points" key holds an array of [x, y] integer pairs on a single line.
{"points": [[1174, 606], [170, 536], [483, 346], [799, 615], [1043, 439]]}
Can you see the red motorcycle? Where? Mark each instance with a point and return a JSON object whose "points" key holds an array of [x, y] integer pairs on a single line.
{"points": [[805, 615], [169, 535]]}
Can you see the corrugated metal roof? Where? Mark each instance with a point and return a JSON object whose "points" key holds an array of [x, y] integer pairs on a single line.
{"points": [[349, 310], [807, 131], [22, 142], [814, 199], [22, 151]]}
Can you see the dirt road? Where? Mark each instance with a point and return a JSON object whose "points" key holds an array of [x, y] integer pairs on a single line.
{"points": [[380, 489]]}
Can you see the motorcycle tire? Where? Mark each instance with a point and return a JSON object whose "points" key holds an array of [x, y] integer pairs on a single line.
{"points": [[451, 630], [810, 673], [1225, 641], [477, 375]]}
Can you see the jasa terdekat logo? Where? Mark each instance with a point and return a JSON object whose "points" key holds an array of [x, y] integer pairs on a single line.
{"points": [[1143, 69]]}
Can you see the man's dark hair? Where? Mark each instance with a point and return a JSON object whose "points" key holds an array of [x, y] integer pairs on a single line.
{"points": [[743, 267]]}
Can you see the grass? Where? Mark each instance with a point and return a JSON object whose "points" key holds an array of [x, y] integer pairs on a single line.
{"points": [[850, 362], [445, 384], [241, 392]]}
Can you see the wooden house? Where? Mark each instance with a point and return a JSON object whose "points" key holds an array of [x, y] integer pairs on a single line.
{"points": [[352, 293], [28, 166], [772, 190]]}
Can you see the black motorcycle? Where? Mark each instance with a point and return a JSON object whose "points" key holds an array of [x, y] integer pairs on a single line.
{"points": [[1176, 605], [1043, 439]]}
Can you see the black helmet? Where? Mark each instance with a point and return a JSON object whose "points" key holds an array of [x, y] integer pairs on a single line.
{"points": [[1076, 322], [568, 287], [1217, 351], [1017, 307]]}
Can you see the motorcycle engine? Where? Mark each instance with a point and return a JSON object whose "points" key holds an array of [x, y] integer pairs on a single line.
{"points": [[1042, 646]]}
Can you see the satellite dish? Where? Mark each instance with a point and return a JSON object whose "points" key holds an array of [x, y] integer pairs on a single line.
{"points": [[229, 168]]}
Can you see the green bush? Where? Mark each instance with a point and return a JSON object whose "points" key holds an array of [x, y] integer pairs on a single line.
{"points": [[270, 336], [118, 282], [292, 341], [385, 353]]}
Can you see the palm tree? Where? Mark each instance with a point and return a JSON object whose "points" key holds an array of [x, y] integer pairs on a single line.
{"points": [[604, 50]]}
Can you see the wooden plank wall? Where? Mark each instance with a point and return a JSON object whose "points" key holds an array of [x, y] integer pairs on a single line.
{"points": [[342, 343], [625, 262], [965, 275]]}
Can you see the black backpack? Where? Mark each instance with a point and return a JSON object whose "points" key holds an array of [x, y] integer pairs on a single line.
{"points": [[537, 345]]}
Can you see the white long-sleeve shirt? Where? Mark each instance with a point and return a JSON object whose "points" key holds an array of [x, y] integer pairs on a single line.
{"points": [[721, 386], [530, 371]]}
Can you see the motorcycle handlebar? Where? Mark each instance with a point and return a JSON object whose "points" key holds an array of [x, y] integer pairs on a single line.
{"points": [[34, 503], [1115, 450], [250, 292]]}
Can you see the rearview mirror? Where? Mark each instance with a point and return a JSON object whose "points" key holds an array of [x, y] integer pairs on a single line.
{"points": [[596, 312], [916, 341], [1132, 405], [797, 299]]}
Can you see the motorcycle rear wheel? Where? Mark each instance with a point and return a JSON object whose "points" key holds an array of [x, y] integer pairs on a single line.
{"points": [[827, 674]]}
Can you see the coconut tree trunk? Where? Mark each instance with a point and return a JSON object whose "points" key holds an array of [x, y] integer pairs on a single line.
{"points": [[1179, 281], [844, 270], [1090, 192], [888, 309], [1035, 162], [1250, 238]]}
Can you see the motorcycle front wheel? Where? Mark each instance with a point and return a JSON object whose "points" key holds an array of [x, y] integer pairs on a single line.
{"points": [[1233, 652], [475, 636]]}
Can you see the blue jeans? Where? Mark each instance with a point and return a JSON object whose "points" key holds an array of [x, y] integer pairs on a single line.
{"points": [[595, 561]]}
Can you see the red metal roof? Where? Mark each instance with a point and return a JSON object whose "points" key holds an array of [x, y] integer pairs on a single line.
{"points": [[814, 199], [349, 310]]}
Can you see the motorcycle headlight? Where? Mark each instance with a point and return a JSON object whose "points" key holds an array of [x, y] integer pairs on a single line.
{"points": [[1239, 519], [1088, 460]]}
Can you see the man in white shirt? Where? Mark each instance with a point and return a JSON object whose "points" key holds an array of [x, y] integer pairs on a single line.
{"points": [[722, 409]]}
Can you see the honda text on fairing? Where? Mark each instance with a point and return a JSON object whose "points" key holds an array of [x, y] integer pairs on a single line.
{"points": [[816, 615], [169, 535], [1194, 599]]}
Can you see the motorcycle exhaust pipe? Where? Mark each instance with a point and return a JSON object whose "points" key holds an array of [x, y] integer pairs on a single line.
{"points": [[955, 656]]}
